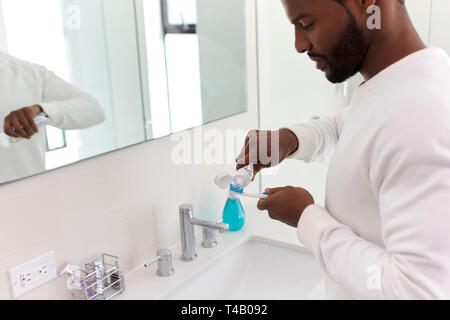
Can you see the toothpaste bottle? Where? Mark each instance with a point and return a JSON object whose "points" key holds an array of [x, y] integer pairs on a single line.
{"points": [[99, 273], [244, 176], [40, 120], [241, 179]]}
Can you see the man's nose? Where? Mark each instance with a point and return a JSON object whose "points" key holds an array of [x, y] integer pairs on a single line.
{"points": [[302, 43]]}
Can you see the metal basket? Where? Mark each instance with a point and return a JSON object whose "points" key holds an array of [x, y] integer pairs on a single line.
{"points": [[112, 281]]}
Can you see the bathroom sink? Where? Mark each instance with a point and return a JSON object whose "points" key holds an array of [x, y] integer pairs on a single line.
{"points": [[255, 270]]}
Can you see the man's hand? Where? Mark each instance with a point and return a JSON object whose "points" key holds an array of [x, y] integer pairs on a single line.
{"points": [[20, 123], [267, 149], [286, 204]]}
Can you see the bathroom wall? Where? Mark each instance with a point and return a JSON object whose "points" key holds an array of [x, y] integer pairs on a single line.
{"points": [[440, 24], [420, 14], [124, 203], [3, 46]]}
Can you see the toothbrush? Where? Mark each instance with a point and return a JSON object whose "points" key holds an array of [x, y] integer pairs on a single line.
{"points": [[99, 269], [240, 192], [257, 196]]}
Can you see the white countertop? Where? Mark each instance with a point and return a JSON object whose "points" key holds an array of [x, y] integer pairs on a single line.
{"points": [[144, 284]]}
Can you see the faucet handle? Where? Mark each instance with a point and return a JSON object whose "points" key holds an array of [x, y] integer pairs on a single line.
{"points": [[164, 259], [209, 238]]}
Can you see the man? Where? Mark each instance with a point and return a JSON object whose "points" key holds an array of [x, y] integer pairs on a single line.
{"points": [[384, 230], [26, 90]]}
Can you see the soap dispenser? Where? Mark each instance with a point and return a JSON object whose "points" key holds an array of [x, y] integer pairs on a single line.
{"points": [[233, 213]]}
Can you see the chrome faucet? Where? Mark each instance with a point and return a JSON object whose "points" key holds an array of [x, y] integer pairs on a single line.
{"points": [[187, 223]]}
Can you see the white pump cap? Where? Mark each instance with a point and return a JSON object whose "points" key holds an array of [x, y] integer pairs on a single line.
{"points": [[223, 180]]}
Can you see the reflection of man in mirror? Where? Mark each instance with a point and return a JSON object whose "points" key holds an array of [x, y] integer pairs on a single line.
{"points": [[27, 90]]}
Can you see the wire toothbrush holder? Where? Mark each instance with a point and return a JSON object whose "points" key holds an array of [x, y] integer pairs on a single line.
{"points": [[100, 286]]}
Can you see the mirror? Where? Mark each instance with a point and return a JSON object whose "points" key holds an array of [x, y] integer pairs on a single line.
{"points": [[112, 74]]}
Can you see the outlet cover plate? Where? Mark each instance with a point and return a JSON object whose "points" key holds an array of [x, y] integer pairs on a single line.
{"points": [[32, 274]]}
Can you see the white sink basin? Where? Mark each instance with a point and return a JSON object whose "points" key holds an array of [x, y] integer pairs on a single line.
{"points": [[255, 270]]}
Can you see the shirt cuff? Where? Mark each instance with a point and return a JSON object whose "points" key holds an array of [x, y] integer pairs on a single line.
{"points": [[306, 145], [314, 221], [54, 112]]}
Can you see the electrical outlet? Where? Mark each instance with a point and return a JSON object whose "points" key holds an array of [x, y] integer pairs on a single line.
{"points": [[32, 274], [26, 279]]}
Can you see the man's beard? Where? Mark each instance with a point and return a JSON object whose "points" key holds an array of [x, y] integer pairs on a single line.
{"points": [[348, 55]]}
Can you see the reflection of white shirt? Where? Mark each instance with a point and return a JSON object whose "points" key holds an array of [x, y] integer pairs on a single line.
{"points": [[23, 84], [385, 230]]}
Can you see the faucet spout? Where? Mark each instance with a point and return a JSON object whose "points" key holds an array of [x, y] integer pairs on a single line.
{"points": [[221, 227], [187, 223]]}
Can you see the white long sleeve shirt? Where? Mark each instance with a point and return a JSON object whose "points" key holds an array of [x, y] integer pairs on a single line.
{"points": [[384, 232], [24, 84]]}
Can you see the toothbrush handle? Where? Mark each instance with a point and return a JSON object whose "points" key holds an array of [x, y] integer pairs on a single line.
{"points": [[257, 196]]}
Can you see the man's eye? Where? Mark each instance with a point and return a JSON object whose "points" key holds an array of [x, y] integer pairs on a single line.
{"points": [[309, 27]]}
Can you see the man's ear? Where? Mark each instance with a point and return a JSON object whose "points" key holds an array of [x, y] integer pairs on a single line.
{"points": [[369, 3], [366, 12], [364, 5], [373, 12], [360, 8]]}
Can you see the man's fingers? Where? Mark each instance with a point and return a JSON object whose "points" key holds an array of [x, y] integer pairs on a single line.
{"points": [[30, 117], [262, 204], [18, 126], [251, 138], [243, 159], [247, 139], [272, 191], [258, 166], [23, 118], [20, 123], [265, 149], [257, 150], [269, 205], [8, 128]]}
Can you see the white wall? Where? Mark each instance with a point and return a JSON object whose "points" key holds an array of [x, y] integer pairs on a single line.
{"points": [[124, 203], [3, 46], [419, 12], [440, 25]]}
